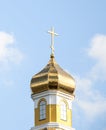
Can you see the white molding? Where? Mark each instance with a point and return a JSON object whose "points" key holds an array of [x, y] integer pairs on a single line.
{"points": [[52, 92], [52, 125], [53, 97]]}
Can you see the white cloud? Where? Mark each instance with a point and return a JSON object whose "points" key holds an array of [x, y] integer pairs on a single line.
{"points": [[98, 52], [90, 100], [98, 48], [94, 108], [9, 53]]}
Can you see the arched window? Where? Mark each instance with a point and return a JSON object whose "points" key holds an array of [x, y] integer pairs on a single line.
{"points": [[42, 110], [63, 108]]}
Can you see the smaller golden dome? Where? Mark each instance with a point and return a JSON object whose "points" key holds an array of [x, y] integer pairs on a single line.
{"points": [[52, 77]]}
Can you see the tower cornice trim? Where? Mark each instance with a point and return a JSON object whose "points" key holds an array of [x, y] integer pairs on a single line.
{"points": [[52, 92], [52, 125]]}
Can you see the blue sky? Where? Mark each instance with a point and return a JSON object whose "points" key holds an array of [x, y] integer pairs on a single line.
{"points": [[80, 49]]}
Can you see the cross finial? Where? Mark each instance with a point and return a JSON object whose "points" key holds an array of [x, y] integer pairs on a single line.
{"points": [[52, 40]]}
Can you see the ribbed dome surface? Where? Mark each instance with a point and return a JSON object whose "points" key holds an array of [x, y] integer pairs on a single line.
{"points": [[52, 77]]}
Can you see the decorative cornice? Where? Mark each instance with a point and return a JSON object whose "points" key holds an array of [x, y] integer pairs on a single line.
{"points": [[52, 125], [52, 92]]}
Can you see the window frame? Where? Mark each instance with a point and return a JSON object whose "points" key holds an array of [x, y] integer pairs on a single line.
{"points": [[63, 111], [42, 110]]}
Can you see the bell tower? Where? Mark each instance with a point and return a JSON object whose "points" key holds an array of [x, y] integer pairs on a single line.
{"points": [[52, 92]]}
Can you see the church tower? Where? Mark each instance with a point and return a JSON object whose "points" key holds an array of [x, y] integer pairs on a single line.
{"points": [[52, 92]]}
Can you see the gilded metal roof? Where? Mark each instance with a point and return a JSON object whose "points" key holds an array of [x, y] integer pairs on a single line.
{"points": [[52, 77]]}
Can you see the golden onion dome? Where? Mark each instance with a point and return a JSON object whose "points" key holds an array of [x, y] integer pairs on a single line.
{"points": [[52, 77]]}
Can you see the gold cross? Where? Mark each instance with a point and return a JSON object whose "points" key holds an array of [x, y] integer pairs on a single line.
{"points": [[52, 39]]}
